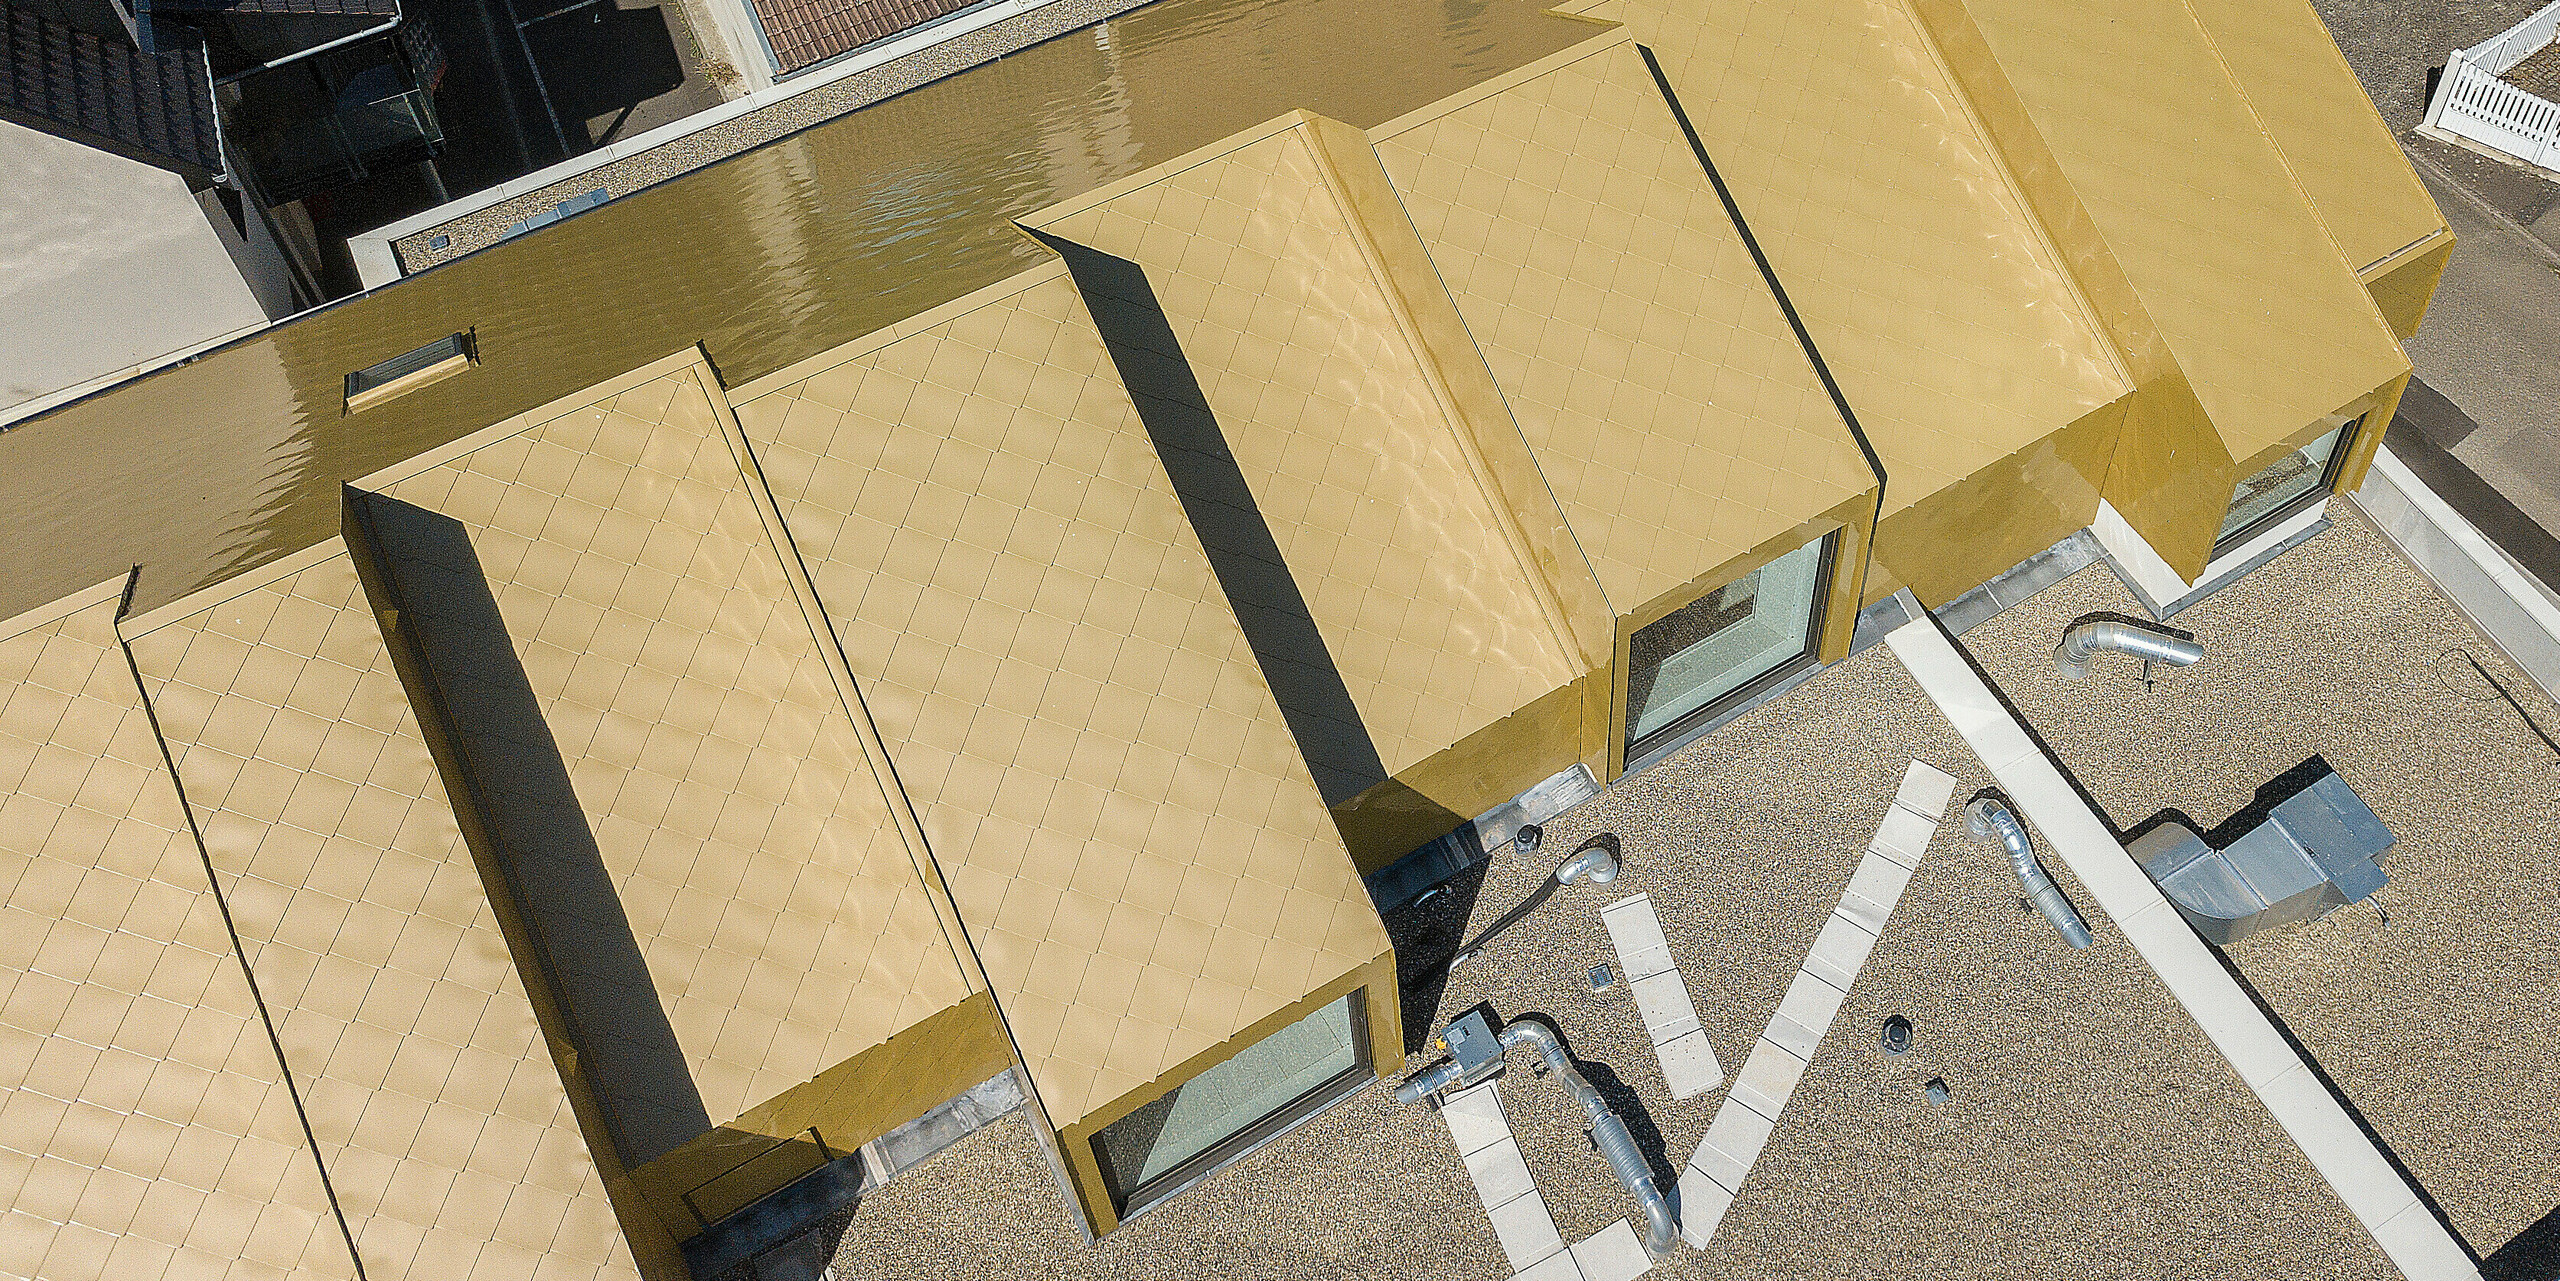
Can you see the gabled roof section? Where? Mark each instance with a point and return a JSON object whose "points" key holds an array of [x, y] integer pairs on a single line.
{"points": [[144, 1115], [680, 780], [153, 107], [1132, 839], [1365, 449], [448, 1137], [2249, 293], [1667, 402], [1935, 298], [2311, 104]]}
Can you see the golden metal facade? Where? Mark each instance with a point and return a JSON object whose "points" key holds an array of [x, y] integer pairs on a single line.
{"points": [[145, 1126], [1138, 855], [1669, 407], [447, 1136], [921, 711]]}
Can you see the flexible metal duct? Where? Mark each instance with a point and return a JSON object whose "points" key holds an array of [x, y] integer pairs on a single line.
{"points": [[2071, 657], [1609, 1134], [1991, 820]]}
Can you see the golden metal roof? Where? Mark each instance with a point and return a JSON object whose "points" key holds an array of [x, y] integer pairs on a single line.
{"points": [[1931, 292], [1667, 402], [778, 909], [210, 468], [447, 1136], [1133, 841], [145, 1129], [1373, 490], [2311, 104], [2248, 290]]}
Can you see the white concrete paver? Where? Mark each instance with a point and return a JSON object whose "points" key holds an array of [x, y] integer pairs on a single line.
{"points": [[1689, 1063], [1521, 1220], [1777, 1061], [2416, 1242]]}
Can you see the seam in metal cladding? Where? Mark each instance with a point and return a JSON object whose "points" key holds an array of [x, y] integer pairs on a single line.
{"points": [[230, 926], [1786, 306]]}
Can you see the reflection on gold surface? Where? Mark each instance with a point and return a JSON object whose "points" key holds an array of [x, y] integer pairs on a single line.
{"points": [[215, 466]]}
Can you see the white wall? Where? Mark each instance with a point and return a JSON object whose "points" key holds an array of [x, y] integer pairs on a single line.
{"points": [[107, 264]]}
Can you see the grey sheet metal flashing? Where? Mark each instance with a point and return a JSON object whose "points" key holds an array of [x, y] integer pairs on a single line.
{"points": [[1414, 874], [2317, 851]]}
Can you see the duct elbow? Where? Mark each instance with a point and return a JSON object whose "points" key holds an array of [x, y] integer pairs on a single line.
{"points": [[1989, 818], [2085, 640]]}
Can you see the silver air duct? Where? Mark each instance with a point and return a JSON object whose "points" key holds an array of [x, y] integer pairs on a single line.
{"points": [[1476, 1055], [1990, 820], [2071, 657]]}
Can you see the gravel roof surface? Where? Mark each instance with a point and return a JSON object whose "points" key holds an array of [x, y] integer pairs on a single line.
{"points": [[2093, 1131], [2443, 1028]]}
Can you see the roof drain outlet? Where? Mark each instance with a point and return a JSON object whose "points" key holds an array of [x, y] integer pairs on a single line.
{"points": [[1990, 820], [2071, 657], [1475, 1054]]}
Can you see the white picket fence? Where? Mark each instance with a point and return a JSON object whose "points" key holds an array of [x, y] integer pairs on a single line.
{"points": [[2472, 102]]}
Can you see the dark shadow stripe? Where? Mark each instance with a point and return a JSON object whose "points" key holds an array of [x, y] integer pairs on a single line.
{"points": [[2423, 434], [1769, 274], [231, 927], [487, 729], [1242, 551]]}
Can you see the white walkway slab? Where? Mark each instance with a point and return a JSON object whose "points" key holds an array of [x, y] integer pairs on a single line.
{"points": [[1689, 1064], [1750, 1113], [2375, 1193], [1536, 1251]]}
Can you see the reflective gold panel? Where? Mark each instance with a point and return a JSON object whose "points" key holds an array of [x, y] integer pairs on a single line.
{"points": [[1926, 284], [1434, 622], [448, 1138], [2334, 141], [1668, 404], [1128, 828], [641, 644], [145, 1128]]}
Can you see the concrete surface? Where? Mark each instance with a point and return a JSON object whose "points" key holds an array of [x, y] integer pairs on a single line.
{"points": [[2442, 1028], [2093, 1132], [2487, 347]]}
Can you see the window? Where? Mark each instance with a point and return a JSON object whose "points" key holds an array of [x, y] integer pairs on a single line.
{"points": [[1719, 650], [1215, 1116], [2294, 482], [409, 371]]}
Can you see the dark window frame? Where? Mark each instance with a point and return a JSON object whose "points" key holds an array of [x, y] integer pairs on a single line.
{"points": [[1153, 1192], [2319, 492], [1810, 655]]}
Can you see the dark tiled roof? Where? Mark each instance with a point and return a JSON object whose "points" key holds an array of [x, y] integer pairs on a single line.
{"points": [[365, 8], [156, 108], [804, 32]]}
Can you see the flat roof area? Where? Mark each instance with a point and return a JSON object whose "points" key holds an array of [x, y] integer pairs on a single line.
{"points": [[2092, 1127]]}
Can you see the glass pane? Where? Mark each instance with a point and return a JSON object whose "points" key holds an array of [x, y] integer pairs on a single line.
{"points": [[2291, 477], [1722, 641], [1228, 1098]]}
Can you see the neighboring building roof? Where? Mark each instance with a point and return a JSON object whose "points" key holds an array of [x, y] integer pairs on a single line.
{"points": [[145, 1121], [1355, 448], [1668, 404], [152, 107], [1130, 834], [447, 1135], [1927, 285], [366, 8], [804, 33]]}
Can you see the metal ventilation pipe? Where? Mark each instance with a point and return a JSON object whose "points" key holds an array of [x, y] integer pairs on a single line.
{"points": [[1472, 1058], [1990, 820], [2071, 657], [1608, 1135]]}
